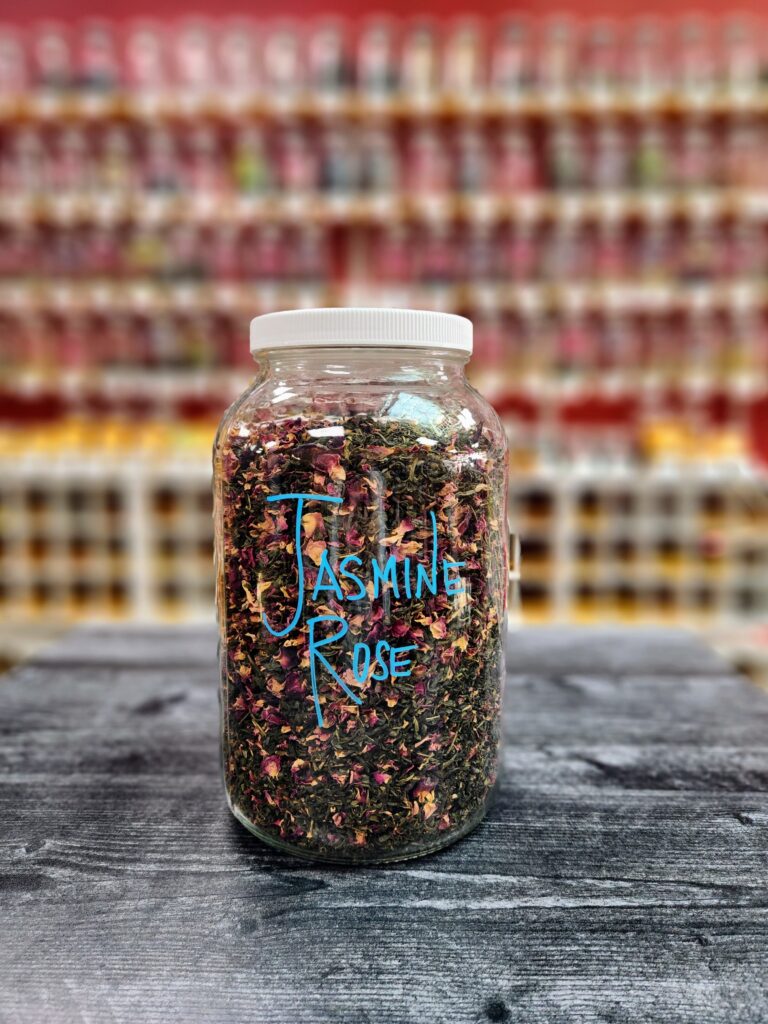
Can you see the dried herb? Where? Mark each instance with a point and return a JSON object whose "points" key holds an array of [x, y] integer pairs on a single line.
{"points": [[361, 631]]}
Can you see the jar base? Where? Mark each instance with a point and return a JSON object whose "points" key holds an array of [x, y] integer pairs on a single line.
{"points": [[385, 858]]}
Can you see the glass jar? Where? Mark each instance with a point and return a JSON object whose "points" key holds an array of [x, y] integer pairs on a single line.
{"points": [[360, 491]]}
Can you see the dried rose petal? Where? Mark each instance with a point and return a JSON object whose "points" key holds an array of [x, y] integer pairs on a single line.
{"points": [[271, 766], [315, 549], [312, 523]]}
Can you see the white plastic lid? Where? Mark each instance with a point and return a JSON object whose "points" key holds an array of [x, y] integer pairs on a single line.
{"points": [[359, 326]]}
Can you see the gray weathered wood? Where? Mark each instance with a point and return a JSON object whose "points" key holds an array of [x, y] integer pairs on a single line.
{"points": [[621, 875]]}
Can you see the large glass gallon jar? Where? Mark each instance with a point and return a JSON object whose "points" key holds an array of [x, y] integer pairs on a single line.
{"points": [[361, 551]]}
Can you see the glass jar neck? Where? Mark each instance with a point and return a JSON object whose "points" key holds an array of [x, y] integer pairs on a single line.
{"points": [[344, 364]]}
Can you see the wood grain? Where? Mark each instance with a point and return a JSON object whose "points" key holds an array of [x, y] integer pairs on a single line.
{"points": [[622, 874]]}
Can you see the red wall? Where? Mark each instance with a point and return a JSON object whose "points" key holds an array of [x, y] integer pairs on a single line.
{"points": [[126, 9]]}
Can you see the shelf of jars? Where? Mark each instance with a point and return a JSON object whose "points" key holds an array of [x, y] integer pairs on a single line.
{"points": [[158, 384], [377, 62], [356, 106], [141, 347], [338, 162], [348, 162], [217, 208], [252, 298], [107, 535], [157, 298], [99, 534], [644, 545], [162, 183]]}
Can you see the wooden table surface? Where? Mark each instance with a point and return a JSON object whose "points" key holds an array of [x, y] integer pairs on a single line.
{"points": [[621, 876]]}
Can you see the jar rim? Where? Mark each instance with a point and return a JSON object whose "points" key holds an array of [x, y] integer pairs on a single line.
{"points": [[361, 327]]}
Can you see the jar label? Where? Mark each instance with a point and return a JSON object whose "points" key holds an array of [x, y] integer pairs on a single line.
{"points": [[406, 580]]}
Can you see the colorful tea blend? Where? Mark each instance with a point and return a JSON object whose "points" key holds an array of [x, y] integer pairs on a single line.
{"points": [[361, 553]]}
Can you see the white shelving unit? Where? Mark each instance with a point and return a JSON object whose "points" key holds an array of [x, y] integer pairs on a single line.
{"points": [[117, 538], [644, 545], [105, 539]]}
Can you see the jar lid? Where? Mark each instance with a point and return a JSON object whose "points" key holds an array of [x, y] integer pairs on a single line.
{"points": [[359, 326]]}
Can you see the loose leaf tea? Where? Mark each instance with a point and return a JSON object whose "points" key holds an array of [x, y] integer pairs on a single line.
{"points": [[362, 582]]}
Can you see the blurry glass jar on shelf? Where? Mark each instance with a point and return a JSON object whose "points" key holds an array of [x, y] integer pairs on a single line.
{"points": [[297, 162], [697, 257], [360, 490], [222, 253], [557, 57], [251, 169], [744, 163], [617, 346], [741, 46], [146, 252], [512, 70], [194, 68], [645, 66], [427, 164], [264, 255], [13, 64], [742, 255], [487, 371], [52, 59], [339, 163], [610, 158], [462, 62], [565, 256], [437, 261], [514, 165], [204, 164], [610, 251], [329, 73], [146, 64], [419, 63], [185, 259], [694, 57], [70, 162], [114, 162], [380, 171], [479, 262], [102, 253], [650, 159], [654, 252], [566, 158], [393, 256], [238, 60], [282, 62], [310, 261], [692, 164], [599, 69], [377, 72], [518, 253], [25, 162], [161, 166], [472, 171], [97, 60]]}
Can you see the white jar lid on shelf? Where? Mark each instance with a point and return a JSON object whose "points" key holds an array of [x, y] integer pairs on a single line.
{"points": [[365, 327]]}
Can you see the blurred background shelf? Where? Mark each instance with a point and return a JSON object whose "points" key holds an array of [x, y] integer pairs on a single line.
{"points": [[106, 536], [103, 295], [216, 208], [592, 191], [533, 104]]}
